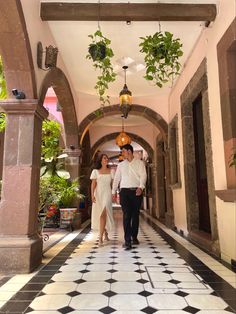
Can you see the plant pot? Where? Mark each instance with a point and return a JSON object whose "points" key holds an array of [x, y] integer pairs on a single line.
{"points": [[97, 51], [159, 51], [67, 216]]}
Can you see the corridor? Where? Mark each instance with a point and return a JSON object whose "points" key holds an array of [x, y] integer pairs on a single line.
{"points": [[164, 274]]}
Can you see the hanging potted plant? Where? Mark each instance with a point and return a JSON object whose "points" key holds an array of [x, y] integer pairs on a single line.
{"points": [[100, 53], [162, 53]]}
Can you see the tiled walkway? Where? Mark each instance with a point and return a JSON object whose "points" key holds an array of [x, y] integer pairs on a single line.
{"points": [[164, 274]]}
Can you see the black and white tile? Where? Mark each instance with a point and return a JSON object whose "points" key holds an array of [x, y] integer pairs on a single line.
{"points": [[158, 276]]}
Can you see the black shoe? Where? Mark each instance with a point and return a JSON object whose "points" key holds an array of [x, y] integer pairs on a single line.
{"points": [[127, 246], [135, 241]]}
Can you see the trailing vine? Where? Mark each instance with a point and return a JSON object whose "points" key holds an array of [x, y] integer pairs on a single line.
{"points": [[162, 53], [100, 53]]}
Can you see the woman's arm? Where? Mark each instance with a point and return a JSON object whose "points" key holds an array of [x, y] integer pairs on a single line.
{"points": [[93, 187]]}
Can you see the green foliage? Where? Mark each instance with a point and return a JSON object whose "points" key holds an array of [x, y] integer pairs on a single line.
{"points": [[57, 191], [162, 53], [2, 121], [52, 161], [51, 131], [100, 53], [3, 88], [70, 191]]}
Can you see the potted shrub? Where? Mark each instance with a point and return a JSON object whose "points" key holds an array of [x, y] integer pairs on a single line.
{"points": [[100, 53], [162, 53], [69, 194]]}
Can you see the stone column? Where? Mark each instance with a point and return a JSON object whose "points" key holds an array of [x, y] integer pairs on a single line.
{"points": [[72, 162], [20, 244], [155, 209]]}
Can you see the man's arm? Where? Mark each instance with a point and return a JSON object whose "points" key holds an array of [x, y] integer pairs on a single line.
{"points": [[143, 175], [116, 180]]}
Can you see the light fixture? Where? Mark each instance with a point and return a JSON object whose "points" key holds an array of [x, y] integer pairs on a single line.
{"points": [[123, 138], [50, 57], [125, 97]]}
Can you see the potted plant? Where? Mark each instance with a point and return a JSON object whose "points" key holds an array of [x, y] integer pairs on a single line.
{"points": [[69, 193], [100, 53], [49, 197], [162, 53]]}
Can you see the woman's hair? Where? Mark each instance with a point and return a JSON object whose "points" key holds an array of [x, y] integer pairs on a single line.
{"points": [[98, 162]]}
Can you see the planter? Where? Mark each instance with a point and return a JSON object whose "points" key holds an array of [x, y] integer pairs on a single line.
{"points": [[67, 216], [97, 51]]}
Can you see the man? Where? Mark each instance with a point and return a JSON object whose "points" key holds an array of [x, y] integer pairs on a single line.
{"points": [[131, 177]]}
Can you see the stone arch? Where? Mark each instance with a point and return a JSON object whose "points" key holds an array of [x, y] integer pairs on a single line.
{"points": [[15, 50], [138, 110], [112, 136], [56, 79]]}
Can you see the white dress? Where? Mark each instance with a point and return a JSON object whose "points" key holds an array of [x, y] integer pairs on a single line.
{"points": [[103, 198]]}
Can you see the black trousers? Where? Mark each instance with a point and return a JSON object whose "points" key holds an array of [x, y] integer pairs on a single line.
{"points": [[130, 204]]}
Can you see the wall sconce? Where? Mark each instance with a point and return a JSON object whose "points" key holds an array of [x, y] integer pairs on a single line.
{"points": [[18, 94], [50, 57]]}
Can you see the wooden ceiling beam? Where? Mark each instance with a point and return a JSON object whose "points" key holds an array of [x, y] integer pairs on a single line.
{"points": [[64, 11]]}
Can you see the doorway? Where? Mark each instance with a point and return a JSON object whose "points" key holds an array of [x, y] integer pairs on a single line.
{"points": [[198, 164], [201, 169]]}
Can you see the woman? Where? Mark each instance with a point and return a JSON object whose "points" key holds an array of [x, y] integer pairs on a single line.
{"points": [[102, 216]]}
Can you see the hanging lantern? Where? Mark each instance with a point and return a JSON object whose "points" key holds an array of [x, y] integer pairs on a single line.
{"points": [[125, 97], [123, 138]]}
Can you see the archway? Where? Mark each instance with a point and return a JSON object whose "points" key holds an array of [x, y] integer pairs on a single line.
{"points": [[158, 121], [56, 79], [112, 136], [137, 110], [15, 50]]}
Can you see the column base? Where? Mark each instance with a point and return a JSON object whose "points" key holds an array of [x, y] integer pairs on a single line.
{"points": [[20, 254], [169, 220]]}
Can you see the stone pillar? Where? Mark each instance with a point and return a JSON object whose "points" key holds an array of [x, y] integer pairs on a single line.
{"points": [[20, 244], [72, 162], [169, 217], [155, 209]]}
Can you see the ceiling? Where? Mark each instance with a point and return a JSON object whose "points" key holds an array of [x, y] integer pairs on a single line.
{"points": [[72, 40]]}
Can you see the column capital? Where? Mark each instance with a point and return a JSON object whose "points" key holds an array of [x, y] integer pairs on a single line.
{"points": [[72, 152], [24, 106]]}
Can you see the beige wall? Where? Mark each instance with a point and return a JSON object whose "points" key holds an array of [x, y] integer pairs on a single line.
{"points": [[206, 47], [39, 31]]}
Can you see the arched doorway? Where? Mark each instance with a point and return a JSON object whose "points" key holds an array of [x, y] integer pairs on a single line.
{"points": [[158, 122]]}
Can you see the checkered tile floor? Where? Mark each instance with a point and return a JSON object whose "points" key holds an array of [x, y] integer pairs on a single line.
{"points": [[158, 276]]}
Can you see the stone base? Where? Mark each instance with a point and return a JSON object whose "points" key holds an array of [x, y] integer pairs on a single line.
{"points": [[169, 220], [20, 254], [77, 221], [203, 240]]}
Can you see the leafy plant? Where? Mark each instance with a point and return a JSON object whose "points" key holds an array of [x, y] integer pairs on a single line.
{"points": [[51, 131], [162, 53], [52, 161], [100, 53], [70, 191], [3, 88], [2, 121], [57, 191]]}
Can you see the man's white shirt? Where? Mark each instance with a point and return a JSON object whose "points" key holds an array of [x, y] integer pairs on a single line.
{"points": [[130, 175]]}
